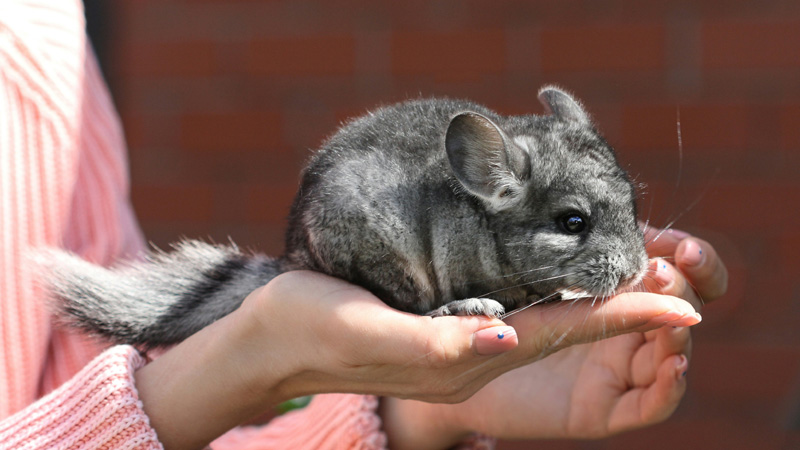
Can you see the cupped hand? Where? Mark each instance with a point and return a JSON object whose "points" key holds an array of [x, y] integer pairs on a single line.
{"points": [[589, 390], [705, 277], [351, 342], [306, 333]]}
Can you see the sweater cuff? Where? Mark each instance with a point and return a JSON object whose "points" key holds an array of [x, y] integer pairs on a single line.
{"points": [[98, 408], [330, 421]]}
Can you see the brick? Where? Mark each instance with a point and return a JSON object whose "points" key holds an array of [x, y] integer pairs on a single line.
{"points": [[721, 127], [181, 58], [301, 55], [269, 204], [751, 44], [769, 315], [266, 238], [231, 132], [173, 202], [448, 56], [790, 127], [745, 372], [650, 126], [784, 248], [157, 166], [135, 129], [746, 10], [701, 434], [274, 166], [732, 206], [603, 47]]}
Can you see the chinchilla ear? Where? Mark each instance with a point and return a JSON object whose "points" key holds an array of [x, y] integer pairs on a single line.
{"points": [[563, 105], [485, 161]]}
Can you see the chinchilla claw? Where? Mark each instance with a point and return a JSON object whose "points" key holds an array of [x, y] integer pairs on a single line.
{"points": [[470, 307]]}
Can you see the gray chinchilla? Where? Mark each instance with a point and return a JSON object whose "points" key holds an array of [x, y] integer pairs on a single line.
{"points": [[436, 206]]}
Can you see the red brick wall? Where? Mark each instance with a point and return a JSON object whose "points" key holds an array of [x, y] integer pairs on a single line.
{"points": [[223, 100]]}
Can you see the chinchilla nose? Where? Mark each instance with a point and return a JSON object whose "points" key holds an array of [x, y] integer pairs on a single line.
{"points": [[634, 269]]}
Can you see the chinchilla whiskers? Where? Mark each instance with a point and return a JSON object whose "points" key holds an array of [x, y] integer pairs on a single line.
{"points": [[554, 343], [598, 301], [680, 146], [697, 200], [509, 275], [527, 283], [649, 213], [537, 302], [640, 286], [674, 194], [679, 215]]}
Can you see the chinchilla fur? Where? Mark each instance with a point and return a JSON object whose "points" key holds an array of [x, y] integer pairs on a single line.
{"points": [[436, 206]]}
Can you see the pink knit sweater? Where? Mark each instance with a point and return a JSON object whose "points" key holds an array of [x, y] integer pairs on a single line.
{"points": [[63, 182]]}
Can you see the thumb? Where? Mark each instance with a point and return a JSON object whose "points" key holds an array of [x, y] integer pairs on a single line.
{"points": [[550, 327], [451, 340]]}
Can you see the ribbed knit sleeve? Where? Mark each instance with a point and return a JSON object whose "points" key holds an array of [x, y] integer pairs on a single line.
{"points": [[97, 409], [331, 422], [63, 183]]}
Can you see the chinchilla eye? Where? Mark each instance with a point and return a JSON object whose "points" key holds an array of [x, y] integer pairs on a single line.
{"points": [[573, 223]]}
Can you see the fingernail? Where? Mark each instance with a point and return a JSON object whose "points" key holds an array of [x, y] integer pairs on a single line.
{"points": [[495, 340], [678, 234], [692, 253], [682, 368], [667, 317], [661, 272], [677, 319], [688, 320]]}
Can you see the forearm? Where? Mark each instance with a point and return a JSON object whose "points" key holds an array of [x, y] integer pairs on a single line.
{"points": [[210, 383]]}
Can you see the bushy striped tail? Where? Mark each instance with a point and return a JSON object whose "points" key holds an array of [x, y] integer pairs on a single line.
{"points": [[156, 302]]}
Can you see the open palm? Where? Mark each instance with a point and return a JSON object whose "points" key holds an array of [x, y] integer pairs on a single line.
{"points": [[587, 390]]}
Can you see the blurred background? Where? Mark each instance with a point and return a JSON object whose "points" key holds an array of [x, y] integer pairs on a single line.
{"points": [[222, 102]]}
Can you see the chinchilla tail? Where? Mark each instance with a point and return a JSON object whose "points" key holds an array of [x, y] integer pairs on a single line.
{"points": [[156, 302]]}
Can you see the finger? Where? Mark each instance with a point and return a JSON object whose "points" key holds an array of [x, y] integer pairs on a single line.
{"points": [[706, 272], [663, 278], [660, 344], [358, 329], [406, 339], [661, 242], [553, 326], [640, 407], [446, 341]]}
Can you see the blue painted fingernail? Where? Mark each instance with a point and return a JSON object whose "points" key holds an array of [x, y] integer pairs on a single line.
{"points": [[662, 274], [692, 253], [492, 341]]}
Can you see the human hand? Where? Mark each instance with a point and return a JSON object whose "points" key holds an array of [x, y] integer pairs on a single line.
{"points": [[705, 277], [584, 391], [305, 333]]}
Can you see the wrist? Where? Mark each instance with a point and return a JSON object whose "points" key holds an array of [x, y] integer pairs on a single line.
{"points": [[210, 383]]}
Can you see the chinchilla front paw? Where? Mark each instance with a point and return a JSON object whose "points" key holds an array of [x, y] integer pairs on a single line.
{"points": [[470, 307]]}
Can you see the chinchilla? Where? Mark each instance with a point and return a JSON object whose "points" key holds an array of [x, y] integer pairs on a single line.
{"points": [[436, 206]]}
